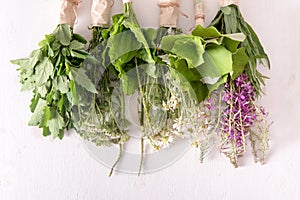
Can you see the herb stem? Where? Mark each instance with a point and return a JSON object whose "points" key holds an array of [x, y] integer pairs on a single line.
{"points": [[117, 161]]}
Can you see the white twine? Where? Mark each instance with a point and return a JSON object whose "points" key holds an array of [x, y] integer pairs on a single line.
{"points": [[100, 12], [199, 14]]}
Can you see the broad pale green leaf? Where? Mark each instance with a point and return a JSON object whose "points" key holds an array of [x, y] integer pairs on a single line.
{"points": [[55, 124], [43, 71], [136, 30], [63, 34], [190, 74], [61, 83], [38, 113], [75, 45], [206, 33], [218, 62], [185, 47], [122, 48], [79, 76]]}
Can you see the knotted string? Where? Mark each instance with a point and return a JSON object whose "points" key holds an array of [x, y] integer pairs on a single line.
{"points": [[100, 12], [169, 11], [199, 14], [175, 5], [68, 12]]}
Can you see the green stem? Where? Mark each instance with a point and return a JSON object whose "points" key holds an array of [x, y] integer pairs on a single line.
{"points": [[142, 156], [117, 161]]}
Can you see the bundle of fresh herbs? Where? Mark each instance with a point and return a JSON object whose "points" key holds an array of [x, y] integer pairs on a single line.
{"points": [[54, 74], [201, 63], [241, 117], [230, 20]]}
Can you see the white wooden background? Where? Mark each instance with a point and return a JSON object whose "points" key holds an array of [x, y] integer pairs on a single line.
{"points": [[34, 168]]}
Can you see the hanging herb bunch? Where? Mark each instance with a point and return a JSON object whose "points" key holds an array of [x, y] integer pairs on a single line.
{"points": [[242, 118], [54, 74], [202, 85], [96, 122]]}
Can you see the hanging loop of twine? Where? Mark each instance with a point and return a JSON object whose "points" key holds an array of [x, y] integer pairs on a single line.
{"points": [[224, 3], [68, 12], [175, 5], [199, 14], [100, 12]]}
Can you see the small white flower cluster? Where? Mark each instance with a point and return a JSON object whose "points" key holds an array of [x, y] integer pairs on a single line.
{"points": [[161, 140], [172, 104]]}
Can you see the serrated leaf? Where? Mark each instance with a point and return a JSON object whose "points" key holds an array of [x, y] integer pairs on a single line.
{"points": [[55, 124], [43, 71], [42, 90], [63, 34], [38, 113], [46, 116], [80, 77], [35, 57], [61, 83]]}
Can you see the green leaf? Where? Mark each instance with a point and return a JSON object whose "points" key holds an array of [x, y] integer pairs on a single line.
{"points": [[42, 90], [129, 83], [218, 62], [75, 45], [34, 102], [185, 47], [240, 60], [35, 57], [46, 116], [63, 34], [46, 131], [43, 71], [61, 83], [188, 73], [80, 77], [122, 48], [38, 113], [79, 38], [72, 96], [55, 124], [206, 33]]}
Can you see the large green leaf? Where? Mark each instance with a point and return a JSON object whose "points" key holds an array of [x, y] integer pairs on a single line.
{"points": [[63, 34], [43, 71], [217, 62], [61, 83], [122, 48], [185, 47], [80, 77], [206, 33]]}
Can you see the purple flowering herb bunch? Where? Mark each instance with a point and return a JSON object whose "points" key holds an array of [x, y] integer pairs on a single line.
{"points": [[241, 119]]}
